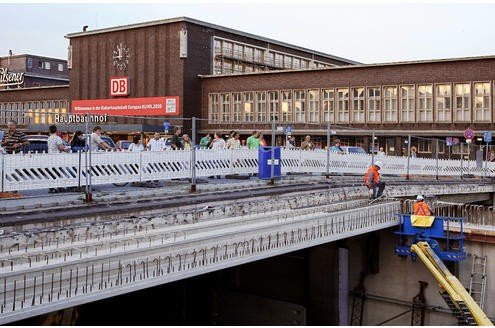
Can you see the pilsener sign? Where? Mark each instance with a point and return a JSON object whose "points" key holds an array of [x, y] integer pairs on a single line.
{"points": [[147, 106], [7, 78]]}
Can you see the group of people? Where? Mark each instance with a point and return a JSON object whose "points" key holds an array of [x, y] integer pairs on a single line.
{"points": [[217, 142]]}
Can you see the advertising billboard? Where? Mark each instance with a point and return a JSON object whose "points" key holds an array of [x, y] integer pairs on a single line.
{"points": [[147, 106]]}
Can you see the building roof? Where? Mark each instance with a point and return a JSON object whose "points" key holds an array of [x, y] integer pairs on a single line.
{"points": [[209, 25], [30, 55], [414, 62]]}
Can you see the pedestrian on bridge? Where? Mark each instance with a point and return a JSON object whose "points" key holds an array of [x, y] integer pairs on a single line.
{"points": [[421, 207], [372, 180]]}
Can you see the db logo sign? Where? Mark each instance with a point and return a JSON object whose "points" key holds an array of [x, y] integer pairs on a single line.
{"points": [[119, 86]]}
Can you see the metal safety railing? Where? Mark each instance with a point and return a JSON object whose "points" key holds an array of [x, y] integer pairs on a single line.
{"points": [[35, 171]]}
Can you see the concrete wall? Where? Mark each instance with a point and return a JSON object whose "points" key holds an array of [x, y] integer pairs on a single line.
{"points": [[398, 279]]}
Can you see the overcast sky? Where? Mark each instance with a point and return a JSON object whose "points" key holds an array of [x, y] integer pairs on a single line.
{"points": [[368, 33]]}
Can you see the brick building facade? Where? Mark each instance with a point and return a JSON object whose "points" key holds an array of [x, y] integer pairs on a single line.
{"points": [[425, 98]]}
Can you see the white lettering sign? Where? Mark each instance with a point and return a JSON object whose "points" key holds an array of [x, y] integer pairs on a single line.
{"points": [[7, 78]]}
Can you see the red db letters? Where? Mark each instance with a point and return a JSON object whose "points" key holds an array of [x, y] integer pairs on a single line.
{"points": [[119, 86]]}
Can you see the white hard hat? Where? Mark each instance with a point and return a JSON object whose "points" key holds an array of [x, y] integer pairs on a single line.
{"points": [[420, 197], [379, 164]]}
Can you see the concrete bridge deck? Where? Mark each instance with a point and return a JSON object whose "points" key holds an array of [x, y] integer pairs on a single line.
{"points": [[55, 257]]}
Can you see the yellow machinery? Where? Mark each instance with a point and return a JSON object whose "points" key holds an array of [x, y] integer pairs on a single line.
{"points": [[451, 289], [430, 239]]}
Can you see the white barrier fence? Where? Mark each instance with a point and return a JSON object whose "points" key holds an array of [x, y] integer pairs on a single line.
{"points": [[35, 171]]}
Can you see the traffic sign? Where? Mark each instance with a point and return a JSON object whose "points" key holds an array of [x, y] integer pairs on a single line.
{"points": [[288, 130], [448, 140], [468, 134], [455, 141], [487, 136], [166, 126]]}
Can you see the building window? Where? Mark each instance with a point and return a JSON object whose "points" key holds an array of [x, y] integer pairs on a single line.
{"points": [[248, 107], [314, 106], [40, 64], [441, 147], [300, 106], [225, 99], [482, 102], [425, 103], [374, 105], [217, 45], [227, 67], [443, 103], [227, 49], [286, 106], [237, 51], [424, 146], [258, 55], [261, 106], [218, 66], [287, 61], [343, 105], [60, 67], [390, 104], [30, 63], [237, 101], [248, 53], [273, 111], [462, 102], [357, 104], [296, 63], [214, 107], [238, 68], [47, 65], [328, 105], [406, 103], [279, 60]]}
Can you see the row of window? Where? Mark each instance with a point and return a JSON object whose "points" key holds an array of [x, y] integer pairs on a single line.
{"points": [[229, 53], [32, 112], [421, 103], [44, 65]]}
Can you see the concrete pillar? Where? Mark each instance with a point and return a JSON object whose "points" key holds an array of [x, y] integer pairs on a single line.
{"points": [[327, 298]]}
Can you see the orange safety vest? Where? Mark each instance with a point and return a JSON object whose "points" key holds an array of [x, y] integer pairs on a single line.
{"points": [[376, 175], [421, 208]]}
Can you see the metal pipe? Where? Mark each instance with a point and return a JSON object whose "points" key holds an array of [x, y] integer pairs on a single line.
{"points": [[436, 157], [272, 167], [193, 156], [408, 154], [373, 147], [328, 149]]}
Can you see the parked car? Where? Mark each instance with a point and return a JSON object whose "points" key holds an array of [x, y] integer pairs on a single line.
{"points": [[108, 140], [38, 144], [353, 150], [123, 144]]}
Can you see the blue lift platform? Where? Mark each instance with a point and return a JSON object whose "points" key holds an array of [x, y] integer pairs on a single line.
{"points": [[436, 231]]}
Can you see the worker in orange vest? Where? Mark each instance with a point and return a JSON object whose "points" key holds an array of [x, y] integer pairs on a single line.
{"points": [[420, 207], [372, 180]]}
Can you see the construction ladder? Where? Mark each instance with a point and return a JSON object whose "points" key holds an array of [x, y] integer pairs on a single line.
{"points": [[477, 284]]}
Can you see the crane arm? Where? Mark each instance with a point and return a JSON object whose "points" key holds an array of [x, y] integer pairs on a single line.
{"points": [[449, 282]]}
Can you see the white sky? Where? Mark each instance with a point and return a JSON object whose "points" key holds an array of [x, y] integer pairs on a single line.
{"points": [[366, 32]]}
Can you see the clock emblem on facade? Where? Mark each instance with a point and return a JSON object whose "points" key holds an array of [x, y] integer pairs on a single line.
{"points": [[121, 56]]}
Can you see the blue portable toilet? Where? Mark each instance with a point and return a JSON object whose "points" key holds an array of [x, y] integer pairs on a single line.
{"points": [[265, 161]]}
